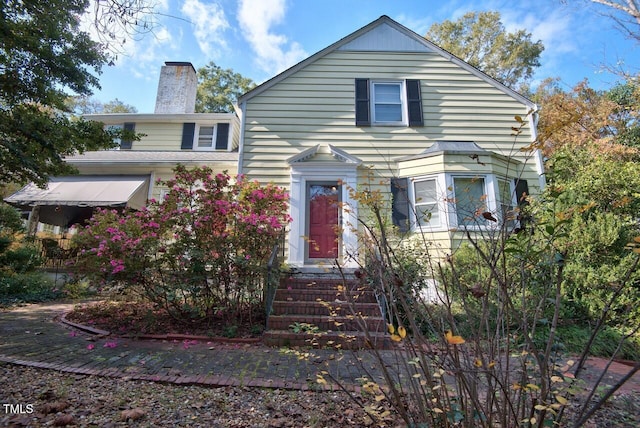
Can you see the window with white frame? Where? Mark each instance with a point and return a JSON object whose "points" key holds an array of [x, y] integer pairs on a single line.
{"points": [[127, 128], [212, 137], [206, 137], [426, 203], [506, 202], [388, 102], [470, 201]]}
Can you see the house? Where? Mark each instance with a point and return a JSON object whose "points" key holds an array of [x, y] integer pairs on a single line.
{"points": [[382, 109], [126, 176], [385, 109]]}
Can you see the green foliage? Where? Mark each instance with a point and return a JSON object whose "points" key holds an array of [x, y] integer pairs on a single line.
{"points": [[84, 104], [10, 220], [626, 117], [304, 327], [230, 331], [480, 39], [597, 196], [43, 54], [30, 287], [16, 256], [218, 89], [572, 339], [18, 260]]}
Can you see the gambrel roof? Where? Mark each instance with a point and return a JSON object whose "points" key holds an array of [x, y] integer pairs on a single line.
{"points": [[386, 35]]}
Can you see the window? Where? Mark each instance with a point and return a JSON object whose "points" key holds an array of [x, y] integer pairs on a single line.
{"points": [[426, 203], [205, 137], [124, 143], [505, 201], [470, 198], [479, 201], [388, 102]]}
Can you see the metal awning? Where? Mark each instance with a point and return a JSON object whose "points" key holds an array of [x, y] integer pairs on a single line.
{"points": [[68, 200]]}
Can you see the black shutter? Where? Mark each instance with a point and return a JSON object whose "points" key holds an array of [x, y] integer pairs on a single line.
{"points": [[126, 143], [363, 115], [400, 208], [522, 191], [222, 136], [414, 103], [188, 131]]}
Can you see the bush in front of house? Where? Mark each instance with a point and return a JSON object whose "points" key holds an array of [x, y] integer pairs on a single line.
{"points": [[198, 253], [19, 259]]}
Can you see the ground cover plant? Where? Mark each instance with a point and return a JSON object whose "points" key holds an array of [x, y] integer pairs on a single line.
{"points": [[199, 254]]}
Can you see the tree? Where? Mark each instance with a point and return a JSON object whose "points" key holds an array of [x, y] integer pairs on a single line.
{"points": [[626, 14], [81, 105], [117, 106], [219, 89], [583, 117], [592, 147], [43, 54], [480, 39], [117, 21]]}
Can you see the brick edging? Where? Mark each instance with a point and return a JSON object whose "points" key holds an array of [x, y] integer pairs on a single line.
{"points": [[197, 380]]}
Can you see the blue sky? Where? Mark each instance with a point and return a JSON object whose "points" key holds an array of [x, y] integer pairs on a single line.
{"points": [[260, 38]]}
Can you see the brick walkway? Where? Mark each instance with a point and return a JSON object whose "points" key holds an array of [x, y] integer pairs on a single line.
{"points": [[33, 336]]}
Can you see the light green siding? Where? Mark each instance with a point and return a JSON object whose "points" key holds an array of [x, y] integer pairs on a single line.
{"points": [[158, 136], [316, 106]]}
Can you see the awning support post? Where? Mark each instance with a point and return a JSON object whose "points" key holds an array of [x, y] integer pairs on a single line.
{"points": [[34, 218]]}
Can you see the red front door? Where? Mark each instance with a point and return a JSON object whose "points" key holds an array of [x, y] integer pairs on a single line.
{"points": [[323, 221]]}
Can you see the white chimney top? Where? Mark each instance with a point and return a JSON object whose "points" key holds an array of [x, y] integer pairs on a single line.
{"points": [[176, 88]]}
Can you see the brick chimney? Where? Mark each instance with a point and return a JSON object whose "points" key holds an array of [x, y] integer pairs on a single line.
{"points": [[176, 88]]}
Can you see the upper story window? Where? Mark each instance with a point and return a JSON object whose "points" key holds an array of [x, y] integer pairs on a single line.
{"points": [[388, 103], [205, 137], [124, 143]]}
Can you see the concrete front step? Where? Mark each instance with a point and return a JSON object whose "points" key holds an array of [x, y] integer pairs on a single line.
{"points": [[330, 339]]}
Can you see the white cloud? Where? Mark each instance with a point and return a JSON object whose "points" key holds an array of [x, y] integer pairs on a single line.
{"points": [[210, 24], [418, 25], [274, 52], [555, 27]]}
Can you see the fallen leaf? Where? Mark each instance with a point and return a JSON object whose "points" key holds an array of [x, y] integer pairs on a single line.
{"points": [[453, 340], [133, 414], [63, 420], [54, 407]]}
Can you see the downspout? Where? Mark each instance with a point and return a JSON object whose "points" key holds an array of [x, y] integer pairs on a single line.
{"points": [[240, 111], [533, 124]]}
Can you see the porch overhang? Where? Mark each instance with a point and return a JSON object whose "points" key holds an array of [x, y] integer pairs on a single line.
{"points": [[68, 200]]}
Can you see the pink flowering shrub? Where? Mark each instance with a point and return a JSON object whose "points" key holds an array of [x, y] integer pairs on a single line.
{"points": [[201, 251]]}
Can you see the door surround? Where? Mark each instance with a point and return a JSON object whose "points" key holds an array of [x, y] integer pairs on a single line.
{"points": [[304, 171]]}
